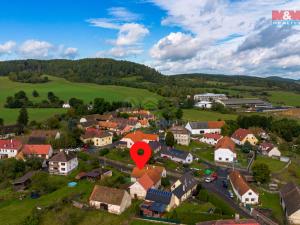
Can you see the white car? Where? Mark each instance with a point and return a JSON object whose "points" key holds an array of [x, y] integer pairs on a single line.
{"points": [[230, 194], [208, 179]]}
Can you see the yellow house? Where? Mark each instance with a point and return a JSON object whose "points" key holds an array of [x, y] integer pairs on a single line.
{"points": [[98, 138], [241, 136]]}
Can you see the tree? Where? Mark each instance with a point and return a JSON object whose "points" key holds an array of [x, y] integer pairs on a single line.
{"points": [[179, 113], [261, 172], [247, 147], [35, 94], [1, 122], [170, 141], [23, 117]]}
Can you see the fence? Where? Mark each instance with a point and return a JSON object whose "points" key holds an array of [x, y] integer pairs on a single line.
{"points": [[261, 218]]}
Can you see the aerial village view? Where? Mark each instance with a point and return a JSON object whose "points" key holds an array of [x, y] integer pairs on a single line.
{"points": [[150, 112]]}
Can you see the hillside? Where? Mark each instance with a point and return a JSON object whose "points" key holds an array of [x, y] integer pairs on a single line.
{"points": [[65, 90]]}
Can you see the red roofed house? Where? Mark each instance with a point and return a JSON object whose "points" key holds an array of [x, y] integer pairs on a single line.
{"points": [[138, 135], [241, 188], [40, 151], [9, 148], [97, 137], [151, 178], [269, 149], [241, 136], [211, 139], [225, 151]]}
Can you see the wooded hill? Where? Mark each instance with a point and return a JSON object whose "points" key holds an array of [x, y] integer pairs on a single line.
{"points": [[125, 73]]}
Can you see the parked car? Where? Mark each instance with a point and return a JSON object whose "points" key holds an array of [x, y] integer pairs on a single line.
{"points": [[225, 184], [210, 179], [230, 194]]}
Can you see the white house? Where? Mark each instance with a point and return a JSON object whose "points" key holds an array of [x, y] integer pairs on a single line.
{"points": [[244, 193], [203, 104], [211, 139], [9, 148], [209, 97], [213, 127], [110, 199], [63, 163], [177, 155], [269, 149], [181, 135], [66, 106], [151, 179], [225, 151], [290, 202], [241, 136], [138, 135]]}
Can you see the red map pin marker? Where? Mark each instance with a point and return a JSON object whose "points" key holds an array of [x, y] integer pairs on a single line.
{"points": [[140, 160]]}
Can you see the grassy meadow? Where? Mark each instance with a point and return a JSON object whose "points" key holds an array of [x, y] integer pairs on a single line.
{"points": [[202, 115], [66, 90]]}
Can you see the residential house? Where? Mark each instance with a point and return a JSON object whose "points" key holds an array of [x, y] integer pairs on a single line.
{"points": [[157, 202], [150, 179], [211, 139], [49, 134], [95, 117], [63, 163], [98, 138], [22, 183], [155, 146], [9, 131], [242, 190], [137, 136], [66, 106], [225, 151], [241, 136], [181, 135], [213, 127], [108, 125], [176, 155], [94, 174], [9, 148], [268, 149], [138, 173], [184, 187], [290, 202], [113, 200], [203, 104], [40, 151]]}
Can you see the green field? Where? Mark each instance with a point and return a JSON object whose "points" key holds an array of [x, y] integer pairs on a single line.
{"points": [[66, 90], [287, 98], [275, 165], [202, 115]]}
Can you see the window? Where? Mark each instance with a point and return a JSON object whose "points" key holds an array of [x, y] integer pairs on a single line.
{"points": [[247, 199], [250, 193], [63, 169], [227, 159], [63, 164], [220, 158], [252, 199]]}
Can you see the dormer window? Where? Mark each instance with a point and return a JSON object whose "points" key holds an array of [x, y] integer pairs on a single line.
{"points": [[250, 193]]}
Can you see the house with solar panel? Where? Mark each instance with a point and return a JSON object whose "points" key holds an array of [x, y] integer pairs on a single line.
{"points": [[177, 155], [183, 188], [157, 202]]}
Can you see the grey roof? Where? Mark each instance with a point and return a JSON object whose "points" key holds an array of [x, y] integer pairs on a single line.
{"points": [[154, 145], [158, 196], [188, 182], [24, 178], [241, 101], [179, 130], [33, 140], [199, 125], [63, 157], [175, 153], [290, 194]]}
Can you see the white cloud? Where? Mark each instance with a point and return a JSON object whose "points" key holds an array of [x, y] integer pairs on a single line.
{"points": [[35, 49], [123, 14], [223, 36], [7, 47], [70, 53], [104, 23], [131, 33], [120, 52]]}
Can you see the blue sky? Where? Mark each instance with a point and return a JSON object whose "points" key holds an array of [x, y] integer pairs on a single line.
{"points": [[173, 36]]}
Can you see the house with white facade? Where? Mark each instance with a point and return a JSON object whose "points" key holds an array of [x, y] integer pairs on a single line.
{"points": [[63, 163], [177, 155], [9, 148], [209, 97], [290, 202], [270, 150], [137, 136], [109, 199], [181, 135], [184, 187], [242, 190], [225, 151], [203, 104], [211, 139], [212, 127]]}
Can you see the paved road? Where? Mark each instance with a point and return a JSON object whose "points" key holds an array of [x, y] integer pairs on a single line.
{"points": [[215, 187]]}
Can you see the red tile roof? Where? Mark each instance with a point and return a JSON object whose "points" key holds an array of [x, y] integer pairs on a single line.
{"points": [[137, 173], [239, 183], [240, 134], [226, 143], [10, 144], [215, 124], [140, 136], [212, 136], [146, 181], [36, 149], [93, 132], [108, 124]]}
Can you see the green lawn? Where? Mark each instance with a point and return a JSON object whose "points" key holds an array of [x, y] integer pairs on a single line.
{"points": [[288, 98], [271, 201], [66, 90], [274, 164], [203, 115]]}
